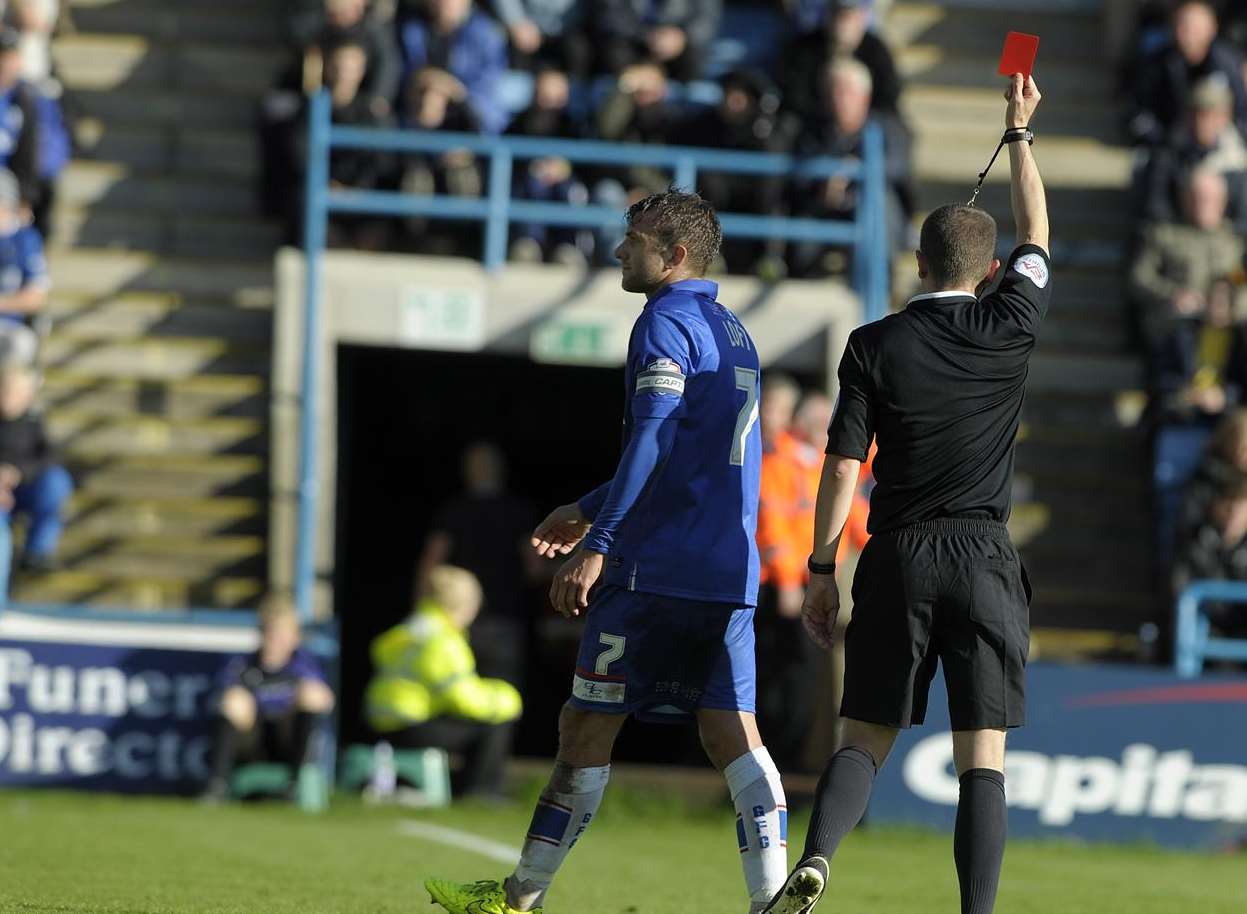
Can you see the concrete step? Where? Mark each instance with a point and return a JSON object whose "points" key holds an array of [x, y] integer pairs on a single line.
{"points": [[1109, 567], [129, 436], [154, 359], [1042, 525], [1073, 333], [193, 558], [1072, 511], [1072, 608], [945, 150], [108, 185], [176, 518], [1082, 465], [931, 64], [169, 475], [1084, 372], [124, 62], [1123, 443], [1060, 409], [113, 589], [162, 106], [224, 153], [1071, 305], [134, 317], [240, 396], [186, 232], [1087, 287], [101, 273], [1067, 36], [1036, 479], [227, 22], [1075, 211]]}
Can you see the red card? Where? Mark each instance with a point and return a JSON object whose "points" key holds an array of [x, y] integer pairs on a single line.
{"points": [[1019, 54]]}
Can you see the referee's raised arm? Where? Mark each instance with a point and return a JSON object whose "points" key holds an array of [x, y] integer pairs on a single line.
{"points": [[1030, 206]]}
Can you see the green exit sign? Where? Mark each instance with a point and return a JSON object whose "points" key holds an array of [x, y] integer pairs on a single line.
{"points": [[442, 318], [578, 341]]}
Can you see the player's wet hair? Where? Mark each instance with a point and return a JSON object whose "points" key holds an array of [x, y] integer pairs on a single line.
{"points": [[682, 218], [959, 243]]}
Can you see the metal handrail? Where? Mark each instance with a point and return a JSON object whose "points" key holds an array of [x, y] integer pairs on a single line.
{"points": [[1194, 641], [866, 233]]}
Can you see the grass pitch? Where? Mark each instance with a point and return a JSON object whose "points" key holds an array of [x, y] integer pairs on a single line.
{"points": [[77, 853]]}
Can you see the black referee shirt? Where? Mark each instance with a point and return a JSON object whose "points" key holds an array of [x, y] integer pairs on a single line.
{"points": [[940, 386]]}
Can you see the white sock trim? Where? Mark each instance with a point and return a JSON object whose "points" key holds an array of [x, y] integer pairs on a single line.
{"points": [[582, 780], [750, 767]]}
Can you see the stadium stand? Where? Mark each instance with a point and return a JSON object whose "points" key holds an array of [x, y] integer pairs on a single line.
{"points": [[1082, 473], [163, 276]]}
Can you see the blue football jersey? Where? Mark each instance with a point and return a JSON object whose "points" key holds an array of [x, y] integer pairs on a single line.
{"points": [[692, 532]]}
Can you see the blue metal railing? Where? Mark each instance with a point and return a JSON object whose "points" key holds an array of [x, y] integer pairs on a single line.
{"points": [[1194, 641], [866, 233]]}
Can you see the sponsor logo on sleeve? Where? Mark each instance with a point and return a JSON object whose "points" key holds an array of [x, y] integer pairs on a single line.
{"points": [[1033, 267], [661, 376]]}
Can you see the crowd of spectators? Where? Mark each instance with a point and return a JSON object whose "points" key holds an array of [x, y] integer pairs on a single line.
{"points": [[35, 146], [797, 720], [627, 71], [1187, 279]]}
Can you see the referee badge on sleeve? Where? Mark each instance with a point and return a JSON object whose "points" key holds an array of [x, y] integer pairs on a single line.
{"points": [[1032, 266], [661, 376]]}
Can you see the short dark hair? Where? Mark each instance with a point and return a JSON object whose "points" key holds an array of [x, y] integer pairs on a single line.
{"points": [[959, 243], [682, 218]]}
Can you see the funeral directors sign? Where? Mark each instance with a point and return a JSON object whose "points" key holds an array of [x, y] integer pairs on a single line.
{"points": [[109, 705], [1111, 753]]}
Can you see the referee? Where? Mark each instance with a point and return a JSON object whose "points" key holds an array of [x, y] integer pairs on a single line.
{"points": [[940, 387]]}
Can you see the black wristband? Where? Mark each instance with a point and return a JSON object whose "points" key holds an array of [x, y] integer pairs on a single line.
{"points": [[820, 567], [1019, 134]]}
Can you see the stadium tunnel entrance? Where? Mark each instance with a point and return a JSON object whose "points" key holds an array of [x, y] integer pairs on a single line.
{"points": [[405, 417]]}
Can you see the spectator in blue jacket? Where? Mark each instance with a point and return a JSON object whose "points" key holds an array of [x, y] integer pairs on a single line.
{"points": [[547, 33], [32, 482], [19, 117], [675, 34], [467, 44], [24, 280]]}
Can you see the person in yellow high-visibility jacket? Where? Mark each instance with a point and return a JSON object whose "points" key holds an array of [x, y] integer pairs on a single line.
{"points": [[425, 691]]}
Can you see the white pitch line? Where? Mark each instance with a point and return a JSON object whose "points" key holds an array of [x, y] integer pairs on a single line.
{"points": [[467, 841]]}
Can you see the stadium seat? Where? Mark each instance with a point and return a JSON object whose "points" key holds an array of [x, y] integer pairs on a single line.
{"points": [[266, 779], [426, 770]]}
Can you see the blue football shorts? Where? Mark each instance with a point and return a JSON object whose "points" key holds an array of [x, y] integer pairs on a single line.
{"points": [[663, 658]]}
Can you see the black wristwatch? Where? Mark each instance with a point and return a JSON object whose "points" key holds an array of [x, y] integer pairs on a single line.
{"points": [[820, 567], [1019, 135]]}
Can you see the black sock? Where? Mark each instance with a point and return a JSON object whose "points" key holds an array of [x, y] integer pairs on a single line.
{"points": [[302, 750], [224, 749], [841, 800], [979, 841]]}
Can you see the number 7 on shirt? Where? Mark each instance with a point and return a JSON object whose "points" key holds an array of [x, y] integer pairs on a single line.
{"points": [[746, 380]]}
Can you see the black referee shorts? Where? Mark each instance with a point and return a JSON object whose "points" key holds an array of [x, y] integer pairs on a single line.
{"points": [[951, 591]]}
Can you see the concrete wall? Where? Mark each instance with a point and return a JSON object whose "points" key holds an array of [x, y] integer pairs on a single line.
{"points": [[550, 313]]}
